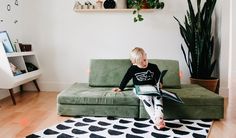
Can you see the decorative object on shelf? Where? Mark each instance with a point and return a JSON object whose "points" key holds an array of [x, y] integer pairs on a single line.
{"points": [[197, 34], [16, 46], [87, 5], [5, 40], [121, 4], [15, 70], [109, 4], [25, 47], [143, 4], [78, 5], [30, 67], [99, 4]]}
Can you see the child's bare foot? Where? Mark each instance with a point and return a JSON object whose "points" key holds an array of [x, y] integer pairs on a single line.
{"points": [[160, 123]]}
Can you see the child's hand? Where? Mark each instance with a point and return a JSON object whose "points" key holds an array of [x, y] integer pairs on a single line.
{"points": [[116, 90]]}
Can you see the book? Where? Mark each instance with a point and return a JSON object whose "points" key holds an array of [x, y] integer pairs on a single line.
{"points": [[5, 40], [155, 90]]}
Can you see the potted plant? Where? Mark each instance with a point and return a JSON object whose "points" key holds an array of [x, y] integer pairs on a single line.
{"points": [[199, 41], [143, 4]]}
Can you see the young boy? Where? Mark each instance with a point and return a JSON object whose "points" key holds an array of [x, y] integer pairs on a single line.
{"points": [[142, 73]]}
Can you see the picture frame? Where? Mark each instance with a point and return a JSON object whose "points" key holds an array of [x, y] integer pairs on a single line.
{"points": [[5, 40]]}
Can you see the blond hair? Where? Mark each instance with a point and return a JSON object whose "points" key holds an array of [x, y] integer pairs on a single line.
{"points": [[136, 54]]}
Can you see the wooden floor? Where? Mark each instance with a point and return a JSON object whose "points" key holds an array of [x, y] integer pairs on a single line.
{"points": [[37, 110]]}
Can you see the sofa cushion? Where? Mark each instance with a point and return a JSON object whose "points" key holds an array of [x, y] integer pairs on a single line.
{"points": [[171, 79], [98, 110], [199, 103], [110, 72], [193, 94], [82, 94]]}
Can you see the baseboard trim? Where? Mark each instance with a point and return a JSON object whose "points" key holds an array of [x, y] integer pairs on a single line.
{"points": [[7, 97], [48, 86], [5, 93], [55, 86], [224, 92]]}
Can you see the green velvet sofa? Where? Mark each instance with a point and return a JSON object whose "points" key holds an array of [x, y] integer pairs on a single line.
{"points": [[96, 98]]}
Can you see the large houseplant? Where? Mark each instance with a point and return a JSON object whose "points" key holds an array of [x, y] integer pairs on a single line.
{"points": [[199, 40], [143, 4]]}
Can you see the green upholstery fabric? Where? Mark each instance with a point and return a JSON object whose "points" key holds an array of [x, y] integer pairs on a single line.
{"points": [[98, 110], [171, 79], [80, 93], [199, 103], [96, 98], [193, 94], [109, 72], [81, 99]]}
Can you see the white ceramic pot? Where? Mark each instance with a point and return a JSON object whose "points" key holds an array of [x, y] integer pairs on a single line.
{"points": [[121, 4]]}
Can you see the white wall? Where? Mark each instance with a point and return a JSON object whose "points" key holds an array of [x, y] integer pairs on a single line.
{"points": [[223, 9], [233, 48], [65, 41], [71, 39], [16, 30]]}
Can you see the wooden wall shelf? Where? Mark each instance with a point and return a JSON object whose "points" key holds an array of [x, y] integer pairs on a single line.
{"points": [[112, 10]]}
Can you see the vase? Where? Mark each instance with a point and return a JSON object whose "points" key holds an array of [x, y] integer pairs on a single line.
{"points": [[210, 84], [121, 4], [145, 5], [109, 4]]}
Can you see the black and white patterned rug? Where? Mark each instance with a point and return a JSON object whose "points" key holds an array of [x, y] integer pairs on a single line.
{"points": [[111, 127]]}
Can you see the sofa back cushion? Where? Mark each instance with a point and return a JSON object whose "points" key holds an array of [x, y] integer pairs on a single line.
{"points": [[171, 79], [110, 72]]}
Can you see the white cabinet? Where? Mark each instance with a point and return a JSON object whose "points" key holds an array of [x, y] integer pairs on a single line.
{"points": [[9, 80]]}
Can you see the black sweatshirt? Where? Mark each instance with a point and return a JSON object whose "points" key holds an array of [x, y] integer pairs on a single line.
{"points": [[141, 76]]}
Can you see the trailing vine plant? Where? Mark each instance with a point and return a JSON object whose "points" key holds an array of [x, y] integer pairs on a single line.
{"points": [[143, 4]]}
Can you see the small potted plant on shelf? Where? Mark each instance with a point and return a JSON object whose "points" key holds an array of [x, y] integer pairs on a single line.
{"points": [[137, 5], [199, 41]]}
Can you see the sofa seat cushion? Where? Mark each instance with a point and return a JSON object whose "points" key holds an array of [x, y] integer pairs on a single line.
{"points": [[199, 103], [82, 94], [193, 94]]}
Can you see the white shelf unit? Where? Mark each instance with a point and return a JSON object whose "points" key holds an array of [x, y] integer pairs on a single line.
{"points": [[19, 59]]}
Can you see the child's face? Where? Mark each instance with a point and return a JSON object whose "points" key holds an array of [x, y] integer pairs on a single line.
{"points": [[143, 63]]}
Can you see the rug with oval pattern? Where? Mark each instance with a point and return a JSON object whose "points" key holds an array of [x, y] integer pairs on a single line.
{"points": [[112, 127]]}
